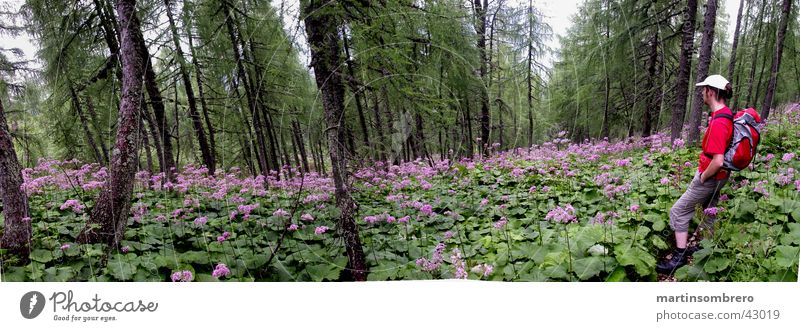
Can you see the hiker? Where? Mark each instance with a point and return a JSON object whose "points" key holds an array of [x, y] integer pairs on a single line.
{"points": [[709, 179]]}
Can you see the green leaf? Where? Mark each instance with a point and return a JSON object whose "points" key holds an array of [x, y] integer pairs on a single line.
{"points": [[793, 236], [618, 275], [61, 274], [716, 264], [643, 262], [787, 256], [747, 206], [327, 271], [588, 267], [41, 255], [121, 267]]}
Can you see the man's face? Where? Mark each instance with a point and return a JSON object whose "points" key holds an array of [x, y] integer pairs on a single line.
{"points": [[706, 94]]}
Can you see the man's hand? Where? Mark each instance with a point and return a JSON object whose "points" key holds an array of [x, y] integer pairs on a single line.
{"points": [[713, 168]]}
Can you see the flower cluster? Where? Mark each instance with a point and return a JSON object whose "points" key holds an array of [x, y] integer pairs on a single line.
{"points": [[75, 205], [483, 269], [221, 270], [436, 259], [562, 215], [182, 276], [501, 223], [606, 218], [458, 263], [713, 211], [225, 235], [320, 229], [761, 189], [200, 221]]}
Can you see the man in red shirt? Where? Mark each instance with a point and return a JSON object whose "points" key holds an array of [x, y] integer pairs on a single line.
{"points": [[710, 177]]}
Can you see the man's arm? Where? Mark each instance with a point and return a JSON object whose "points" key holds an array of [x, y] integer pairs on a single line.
{"points": [[713, 168]]}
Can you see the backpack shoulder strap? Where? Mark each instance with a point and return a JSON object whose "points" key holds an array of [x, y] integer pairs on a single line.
{"points": [[723, 115]]}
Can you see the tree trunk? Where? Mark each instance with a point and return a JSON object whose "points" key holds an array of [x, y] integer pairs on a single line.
{"points": [[322, 30], [205, 149], [145, 141], [93, 118], [154, 134], [17, 224], [736, 74], [684, 68], [76, 103], [480, 29], [111, 210], [381, 146], [261, 146], [704, 61], [732, 64], [356, 92], [653, 91], [530, 73], [200, 91], [301, 145], [606, 130], [759, 37], [776, 59]]}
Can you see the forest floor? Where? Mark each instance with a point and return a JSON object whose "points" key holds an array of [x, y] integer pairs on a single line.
{"points": [[595, 211]]}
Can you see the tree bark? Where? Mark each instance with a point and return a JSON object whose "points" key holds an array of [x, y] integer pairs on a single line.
{"points": [[480, 29], [732, 64], [111, 210], [322, 30], [703, 63], [261, 146], [776, 59], [756, 40], [93, 118], [17, 224], [200, 91], [356, 91], [736, 74], [684, 68], [76, 103], [653, 91], [205, 149], [530, 73]]}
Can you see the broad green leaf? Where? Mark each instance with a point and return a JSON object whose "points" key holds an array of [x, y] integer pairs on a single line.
{"points": [[642, 261], [716, 264]]}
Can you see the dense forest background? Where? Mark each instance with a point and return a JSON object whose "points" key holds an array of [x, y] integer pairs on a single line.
{"points": [[227, 82]]}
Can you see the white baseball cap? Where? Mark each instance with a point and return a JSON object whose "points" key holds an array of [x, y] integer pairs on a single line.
{"points": [[714, 81]]}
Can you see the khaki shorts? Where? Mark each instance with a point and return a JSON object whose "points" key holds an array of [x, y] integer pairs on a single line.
{"points": [[704, 194]]}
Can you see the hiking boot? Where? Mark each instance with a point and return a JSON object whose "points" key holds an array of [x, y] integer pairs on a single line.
{"points": [[677, 260], [690, 250]]}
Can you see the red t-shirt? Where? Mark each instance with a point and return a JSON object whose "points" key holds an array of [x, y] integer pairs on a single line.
{"points": [[716, 139]]}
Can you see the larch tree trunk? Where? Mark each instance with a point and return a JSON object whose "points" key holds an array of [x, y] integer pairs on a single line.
{"points": [[530, 73], [76, 103], [110, 213], [684, 69], [194, 115], [480, 29], [703, 63], [261, 146], [735, 74], [652, 92], [786, 8], [732, 64], [754, 60], [200, 91], [322, 29], [16, 221]]}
